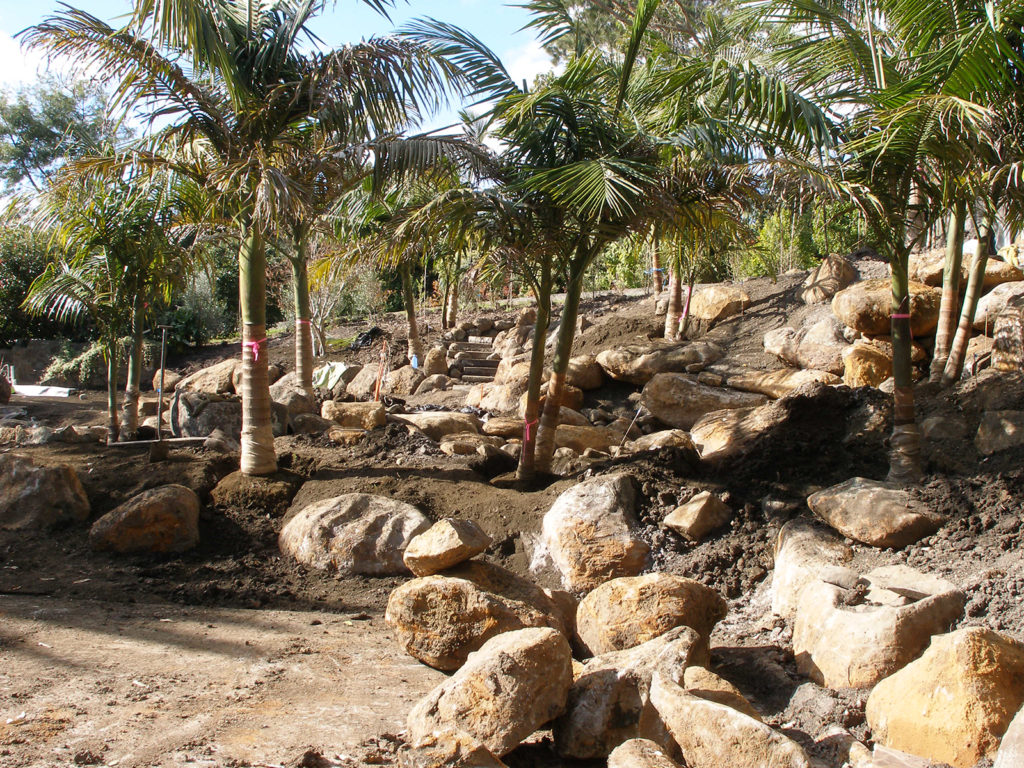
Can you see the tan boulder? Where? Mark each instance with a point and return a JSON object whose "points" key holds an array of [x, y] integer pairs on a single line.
{"points": [[503, 426], [572, 418], [699, 516], [515, 683], [446, 543], [36, 496], [718, 302], [866, 306], [438, 424], [171, 379], [666, 438], [436, 383], [828, 278], [214, 380], [704, 683], [584, 372], [640, 753], [435, 362], [638, 364], [679, 400], [364, 383], [994, 302], [725, 434], [345, 436], [164, 519], [866, 365], [589, 533], [356, 533], [712, 735], [609, 701], [817, 346], [999, 431], [805, 552], [776, 384], [876, 513], [841, 641], [625, 612], [999, 272], [403, 381], [447, 749], [468, 443], [515, 369], [1011, 747], [496, 398], [1008, 339], [441, 619], [954, 703], [579, 439], [354, 415]]}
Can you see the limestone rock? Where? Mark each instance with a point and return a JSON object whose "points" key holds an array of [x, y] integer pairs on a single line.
{"points": [[295, 399], [725, 434], [666, 438], [1011, 748], [866, 306], [274, 373], [718, 302], [579, 439], [609, 702], [197, 414], [625, 612], [441, 619], [804, 553], [447, 749], [164, 519], [704, 683], [680, 401], [345, 435], [435, 362], [954, 703], [171, 379], [503, 426], [999, 272], [638, 364], [828, 278], [584, 372], [496, 398], [354, 415], [364, 382], [712, 735], [699, 516], [994, 302], [999, 430], [436, 383], [817, 346], [840, 642], [37, 496], [310, 424], [438, 424], [776, 384], [865, 365], [403, 381], [515, 683], [640, 753], [215, 380], [468, 443], [1008, 339], [875, 513], [589, 532], [446, 543], [356, 533]]}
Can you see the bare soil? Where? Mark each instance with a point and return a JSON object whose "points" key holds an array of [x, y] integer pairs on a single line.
{"points": [[230, 655]]}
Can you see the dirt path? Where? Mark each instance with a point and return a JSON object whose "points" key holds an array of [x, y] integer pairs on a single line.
{"points": [[155, 684]]}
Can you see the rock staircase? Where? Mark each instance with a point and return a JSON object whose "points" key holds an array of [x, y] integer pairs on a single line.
{"points": [[473, 355]]}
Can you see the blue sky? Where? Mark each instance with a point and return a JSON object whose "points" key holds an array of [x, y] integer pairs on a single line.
{"points": [[344, 21]]}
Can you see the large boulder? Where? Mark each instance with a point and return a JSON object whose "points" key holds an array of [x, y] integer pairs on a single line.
{"points": [[1011, 747], [638, 364], [994, 302], [445, 749], [287, 392], [679, 400], [515, 683], [776, 384], [446, 543], [356, 533], [844, 641], [702, 682], [215, 380], [441, 619], [37, 496], [715, 303], [876, 513], [435, 362], [164, 519], [805, 552], [589, 533], [364, 383], [609, 702], [865, 365], [354, 415], [503, 426], [403, 381], [171, 379], [497, 398], [640, 753], [580, 438], [1008, 339], [954, 703], [999, 431], [817, 346], [866, 306], [713, 735], [625, 612], [584, 372], [436, 383], [828, 278], [724, 434], [274, 373], [438, 424], [196, 414]]}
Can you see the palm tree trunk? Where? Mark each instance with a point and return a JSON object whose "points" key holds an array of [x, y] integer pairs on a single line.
{"points": [[656, 268], [113, 429], [950, 289], [451, 308], [258, 457], [905, 445], [409, 297], [675, 303], [525, 470], [684, 325], [303, 328], [563, 351], [130, 407], [975, 281]]}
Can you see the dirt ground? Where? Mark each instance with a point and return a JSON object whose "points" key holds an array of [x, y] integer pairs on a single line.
{"points": [[230, 655]]}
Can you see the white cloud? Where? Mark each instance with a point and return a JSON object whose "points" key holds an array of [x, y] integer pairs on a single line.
{"points": [[527, 61], [18, 66]]}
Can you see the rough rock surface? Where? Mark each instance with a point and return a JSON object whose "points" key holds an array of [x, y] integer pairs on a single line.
{"points": [[215, 380], [37, 496], [441, 619], [197, 414], [164, 519], [999, 430], [776, 384], [817, 346], [866, 306], [589, 533], [584, 372], [699, 516], [828, 278], [354, 415], [515, 683], [666, 438], [702, 682], [447, 749], [718, 302], [404, 380], [1011, 747], [628, 611], [994, 302], [804, 553], [954, 703], [680, 401], [356, 533], [638, 364], [580, 439], [446, 543], [438, 424], [865, 365], [435, 362], [875, 513], [640, 753]]}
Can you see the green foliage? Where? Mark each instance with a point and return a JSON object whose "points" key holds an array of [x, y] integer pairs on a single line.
{"points": [[621, 265], [837, 228], [77, 368], [784, 242]]}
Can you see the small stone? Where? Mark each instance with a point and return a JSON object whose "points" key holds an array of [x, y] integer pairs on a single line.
{"points": [[446, 543], [699, 516]]}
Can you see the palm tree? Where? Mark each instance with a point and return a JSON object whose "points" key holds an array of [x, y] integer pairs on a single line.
{"points": [[231, 78]]}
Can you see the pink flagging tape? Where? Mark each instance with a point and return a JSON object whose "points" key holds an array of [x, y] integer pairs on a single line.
{"points": [[529, 428], [255, 347], [900, 317]]}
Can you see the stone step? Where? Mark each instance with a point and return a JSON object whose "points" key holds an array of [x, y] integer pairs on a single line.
{"points": [[466, 346], [475, 371], [480, 340], [476, 379], [474, 354], [480, 362]]}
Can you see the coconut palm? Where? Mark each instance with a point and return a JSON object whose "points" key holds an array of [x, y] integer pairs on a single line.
{"points": [[231, 79]]}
